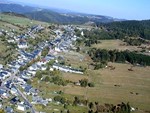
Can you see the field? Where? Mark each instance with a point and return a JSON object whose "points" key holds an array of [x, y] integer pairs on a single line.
{"points": [[115, 86], [2, 49], [19, 24], [19, 20], [5, 50], [118, 85], [111, 86], [115, 44]]}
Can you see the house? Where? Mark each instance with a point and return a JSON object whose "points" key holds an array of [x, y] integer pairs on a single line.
{"points": [[39, 100], [33, 91], [66, 69], [40, 63], [1, 66], [1, 106], [1, 33], [82, 34], [15, 100], [8, 84], [22, 45], [2, 77], [27, 89], [77, 83], [25, 76], [2, 91], [4, 94], [8, 109], [21, 80], [4, 74], [57, 49], [21, 106], [50, 100], [34, 67], [14, 91], [43, 68], [32, 72], [11, 41], [13, 69]]}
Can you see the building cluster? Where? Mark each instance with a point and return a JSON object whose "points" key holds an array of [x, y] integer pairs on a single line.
{"points": [[13, 81]]}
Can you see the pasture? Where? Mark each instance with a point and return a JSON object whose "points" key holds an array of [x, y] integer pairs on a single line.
{"points": [[115, 44], [111, 86]]}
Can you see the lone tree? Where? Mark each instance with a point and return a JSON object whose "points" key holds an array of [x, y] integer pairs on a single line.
{"points": [[83, 82], [91, 105]]}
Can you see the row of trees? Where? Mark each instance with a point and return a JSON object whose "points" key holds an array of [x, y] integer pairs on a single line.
{"points": [[85, 83], [120, 108], [102, 55], [135, 41]]}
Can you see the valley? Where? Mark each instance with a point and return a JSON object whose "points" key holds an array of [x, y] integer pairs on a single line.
{"points": [[72, 63]]}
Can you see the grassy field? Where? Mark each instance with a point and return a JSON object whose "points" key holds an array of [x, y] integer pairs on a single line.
{"points": [[114, 44], [111, 86], [105, 91], [7, 26], [4, 51], [20, 20], [136, 81]]}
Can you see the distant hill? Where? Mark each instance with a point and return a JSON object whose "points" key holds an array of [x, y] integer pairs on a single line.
{"points": [[14, 14], [53, 15], [10, 7]]}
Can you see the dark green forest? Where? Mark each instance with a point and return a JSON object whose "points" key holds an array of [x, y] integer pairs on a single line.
{"points": [[129, 28]]}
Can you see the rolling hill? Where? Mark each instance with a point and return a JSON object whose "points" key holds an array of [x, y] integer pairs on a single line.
{"points": [[53, 15]]}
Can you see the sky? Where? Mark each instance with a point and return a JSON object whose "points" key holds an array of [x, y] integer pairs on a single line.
{"points": [[122, 9]]}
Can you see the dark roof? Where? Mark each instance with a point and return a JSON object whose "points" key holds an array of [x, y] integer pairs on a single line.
{"points": [[15, 100], [27, 88]]}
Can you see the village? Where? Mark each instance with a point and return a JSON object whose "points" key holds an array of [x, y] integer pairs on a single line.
{"points": [[13, 79]]}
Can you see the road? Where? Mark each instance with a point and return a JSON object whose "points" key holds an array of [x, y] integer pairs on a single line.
{"points": [[12, 77], [25, 99]]}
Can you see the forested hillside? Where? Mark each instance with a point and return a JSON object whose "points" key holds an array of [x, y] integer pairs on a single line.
{"points": [[129, 28]]}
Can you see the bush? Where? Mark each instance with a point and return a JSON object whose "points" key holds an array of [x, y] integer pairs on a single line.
{"points": [[91, 84], [60, 99], [83, 82], [59, 81]]}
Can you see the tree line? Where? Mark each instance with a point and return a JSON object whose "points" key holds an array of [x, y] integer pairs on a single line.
{"points": [[102, 55]]}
